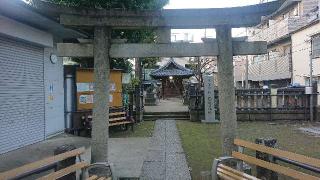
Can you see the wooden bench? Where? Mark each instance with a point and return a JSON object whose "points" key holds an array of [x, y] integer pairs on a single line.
{"points": [[49, 163], [118, 119], [82, 121], [221, 171]]}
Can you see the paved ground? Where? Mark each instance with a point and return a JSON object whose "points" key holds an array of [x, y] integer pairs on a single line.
{"points": [[165, 159], [39, 151], [168, 105], [126, 154], [311, 130]]}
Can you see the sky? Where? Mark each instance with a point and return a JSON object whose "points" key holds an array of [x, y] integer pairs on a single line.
{"points": [[198, 34]]}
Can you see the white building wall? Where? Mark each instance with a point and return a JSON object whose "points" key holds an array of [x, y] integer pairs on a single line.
{"points": [[54, 94], [301, 47]]}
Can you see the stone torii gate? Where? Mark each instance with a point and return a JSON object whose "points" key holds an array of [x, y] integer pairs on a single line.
{"points": [[102, 49]]}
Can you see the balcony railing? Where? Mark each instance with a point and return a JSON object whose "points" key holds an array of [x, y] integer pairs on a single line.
{"points": [[276, 30], [277, 68]]}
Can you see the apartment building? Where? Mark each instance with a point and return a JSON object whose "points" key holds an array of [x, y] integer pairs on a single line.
{"points": [[276, 67], [306, 46]]}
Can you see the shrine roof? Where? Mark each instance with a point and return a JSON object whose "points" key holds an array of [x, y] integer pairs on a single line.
{"points": [[171, 69]]}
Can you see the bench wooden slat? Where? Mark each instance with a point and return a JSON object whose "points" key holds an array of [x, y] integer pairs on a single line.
{"points": [[280, 153], [119, 123], [39, 164], [117, 119], [230, 174], [94, 177], [117, 113], [242, 174], [65, 171], [273, 167], [111, 114], [104, 178], [224, 176]]}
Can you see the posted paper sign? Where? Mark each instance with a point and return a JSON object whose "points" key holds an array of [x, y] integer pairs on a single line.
{"points": [[82, 87], [86, 99], [112, 87]]}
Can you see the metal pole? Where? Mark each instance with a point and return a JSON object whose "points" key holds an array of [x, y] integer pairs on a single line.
{"points": [[310, 84], [247, 72], [247, 66]]}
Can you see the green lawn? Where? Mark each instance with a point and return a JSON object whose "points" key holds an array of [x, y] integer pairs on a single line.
{"points": [[201, 142], [143, 129]]}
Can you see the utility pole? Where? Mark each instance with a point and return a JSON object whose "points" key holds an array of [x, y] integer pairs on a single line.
{"points": [[247, 66], [311, 87], [247, 72]]}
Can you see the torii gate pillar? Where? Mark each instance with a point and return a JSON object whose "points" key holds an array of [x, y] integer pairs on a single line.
{"points": [[100, 124], [226, 88]]}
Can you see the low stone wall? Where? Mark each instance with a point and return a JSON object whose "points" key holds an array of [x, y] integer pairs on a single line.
{"points": [[271, 115], [261, 115], [196, 115]]}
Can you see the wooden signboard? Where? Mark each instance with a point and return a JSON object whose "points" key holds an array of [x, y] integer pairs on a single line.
{"points": [[85, 88]]}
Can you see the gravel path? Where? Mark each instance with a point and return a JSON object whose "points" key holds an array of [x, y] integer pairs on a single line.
{"points": [[165, 159]]}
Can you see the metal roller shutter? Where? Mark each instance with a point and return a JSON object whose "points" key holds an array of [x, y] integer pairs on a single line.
{"points": [[21, 94]]}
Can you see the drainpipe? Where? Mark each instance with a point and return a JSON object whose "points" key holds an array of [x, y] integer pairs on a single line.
{"points": [[69, 95]]}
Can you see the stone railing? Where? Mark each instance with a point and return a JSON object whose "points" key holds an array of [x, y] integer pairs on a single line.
{"points": [[280, 99], [260, 104]]}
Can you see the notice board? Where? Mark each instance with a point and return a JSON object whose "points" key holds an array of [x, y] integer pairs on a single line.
{"points": [[85, 88]]}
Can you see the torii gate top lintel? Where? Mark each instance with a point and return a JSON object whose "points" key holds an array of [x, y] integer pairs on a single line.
{"points": [[245, 16]]}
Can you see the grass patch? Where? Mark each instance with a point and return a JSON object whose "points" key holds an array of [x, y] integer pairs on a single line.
{"points": [[143, 129], [202, 143]]}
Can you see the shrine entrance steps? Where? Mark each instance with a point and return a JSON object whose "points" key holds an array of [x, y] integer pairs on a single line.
{"points": [[172, 108], [152, 116]]}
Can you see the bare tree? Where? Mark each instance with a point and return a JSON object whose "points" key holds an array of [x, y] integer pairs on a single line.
{"points": [[203, 65]]}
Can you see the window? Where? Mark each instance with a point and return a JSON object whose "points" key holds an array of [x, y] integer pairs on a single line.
{"points": [[258, 59], [253, 32], [174, 38], [306, 81], [296, 11], [315, 40]]}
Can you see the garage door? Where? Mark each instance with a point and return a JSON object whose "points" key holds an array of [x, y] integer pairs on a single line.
{"points": [[21, 94]]}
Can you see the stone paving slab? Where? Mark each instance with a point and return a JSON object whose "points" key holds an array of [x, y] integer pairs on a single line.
{"points": [[165, 159], [153, 171], [176, 167], [156, 155]]}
